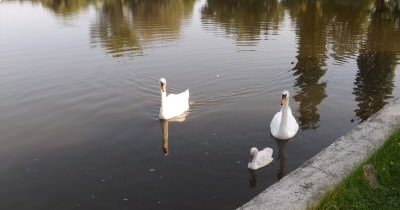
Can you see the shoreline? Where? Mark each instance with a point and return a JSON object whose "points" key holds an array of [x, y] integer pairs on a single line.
{"points": [[308, 183]]}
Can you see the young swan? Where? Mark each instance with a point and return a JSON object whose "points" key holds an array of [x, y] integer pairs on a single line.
{"points": [[283, 124], [172, 105], [261, 158]]}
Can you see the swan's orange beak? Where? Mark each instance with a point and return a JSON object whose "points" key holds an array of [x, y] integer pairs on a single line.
{"points": [[163, 87], [283, 101]]}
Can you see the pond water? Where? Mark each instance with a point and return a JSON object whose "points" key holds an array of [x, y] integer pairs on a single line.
{"points": [[80, 95]]}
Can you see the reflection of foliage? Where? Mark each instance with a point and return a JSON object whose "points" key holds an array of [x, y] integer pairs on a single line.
{"points": [[247, 20], [347, 25], [311, 61], [311, 91], [124, 27], [155, 18], [377, 62], [374, 82], [67, 7], [113, 30]]}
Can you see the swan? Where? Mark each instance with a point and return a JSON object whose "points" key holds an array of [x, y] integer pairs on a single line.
{"points": [[260, 159], [283, 125], [172, 105]]}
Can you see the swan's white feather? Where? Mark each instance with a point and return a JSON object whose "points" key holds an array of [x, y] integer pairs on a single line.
{"points": [[291, 128], [174, 105], [261, 159]]}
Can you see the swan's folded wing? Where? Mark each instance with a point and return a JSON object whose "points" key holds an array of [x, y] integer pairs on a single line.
{"points": [[184, 96], [293, 126], [275, 123], [178, 103]]}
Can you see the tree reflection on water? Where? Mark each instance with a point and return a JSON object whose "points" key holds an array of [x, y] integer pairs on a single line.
{"points": [[342, 29], [377, 61], [311, 59], [126, 27], [246, 20]]}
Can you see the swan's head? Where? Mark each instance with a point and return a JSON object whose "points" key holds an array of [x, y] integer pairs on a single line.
{"points": [[285, 96], [253, 152], [163, 84]]}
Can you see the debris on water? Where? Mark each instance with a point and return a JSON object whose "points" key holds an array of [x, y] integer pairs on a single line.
{"points": [[206, 153], [125, 199], [159, 202], [214, 134], [238, 162], [152, 169], [292, 62], [217, 75], [352, 120], [102, 180], [93, 197]]}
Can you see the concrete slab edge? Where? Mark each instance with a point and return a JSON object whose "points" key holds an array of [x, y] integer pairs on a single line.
{"points": [[311, 180]]}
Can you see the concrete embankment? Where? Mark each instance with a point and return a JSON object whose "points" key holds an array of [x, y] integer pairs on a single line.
{"points": [[307, 184]]}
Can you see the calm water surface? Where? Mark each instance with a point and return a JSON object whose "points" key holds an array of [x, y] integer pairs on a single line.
{"points": [[79, 95]]}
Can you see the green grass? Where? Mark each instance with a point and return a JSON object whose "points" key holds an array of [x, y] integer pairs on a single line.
{"points": [[355, 193]]}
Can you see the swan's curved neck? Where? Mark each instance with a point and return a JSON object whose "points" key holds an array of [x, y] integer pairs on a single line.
{"points": [[163, 98], [284, 118]]}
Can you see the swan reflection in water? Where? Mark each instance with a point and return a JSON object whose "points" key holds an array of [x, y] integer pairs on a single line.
{"points": [[281, 157], [253, 178], [164, 130]]}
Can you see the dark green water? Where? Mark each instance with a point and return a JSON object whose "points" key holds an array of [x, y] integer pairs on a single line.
{"points": [[79, 95]]}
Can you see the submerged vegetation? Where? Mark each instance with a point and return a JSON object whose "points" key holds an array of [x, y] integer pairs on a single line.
{"points": [[356, 193]]}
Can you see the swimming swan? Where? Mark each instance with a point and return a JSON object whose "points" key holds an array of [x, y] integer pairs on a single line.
{"points": [[283, 124], [260, 159], [172, 105]]}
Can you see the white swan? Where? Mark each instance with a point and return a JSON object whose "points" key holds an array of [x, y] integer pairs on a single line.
{"points": [[283, 124], [260, 159], [172, 105]]}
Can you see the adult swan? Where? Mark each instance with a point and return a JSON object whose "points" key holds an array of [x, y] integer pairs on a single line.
{"points": [[172, 105], [284, 125]]}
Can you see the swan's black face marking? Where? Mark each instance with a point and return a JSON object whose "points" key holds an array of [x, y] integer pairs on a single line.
{"points": [[162, 87], [283, 101]]}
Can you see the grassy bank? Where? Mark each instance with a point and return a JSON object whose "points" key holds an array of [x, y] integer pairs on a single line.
{"points": [[355, 192]]}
